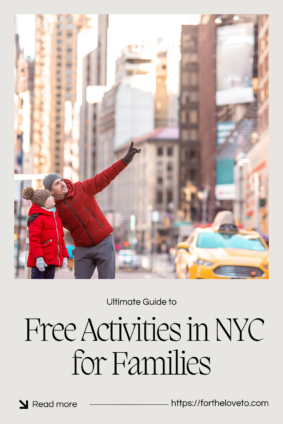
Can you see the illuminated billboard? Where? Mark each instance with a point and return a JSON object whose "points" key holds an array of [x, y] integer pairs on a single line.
{"points": [[234, 64]]}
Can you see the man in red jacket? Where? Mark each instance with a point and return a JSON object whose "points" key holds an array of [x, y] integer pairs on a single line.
{"points": [[81, 215]]}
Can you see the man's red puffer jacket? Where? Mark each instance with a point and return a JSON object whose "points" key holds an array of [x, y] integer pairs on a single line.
{"points": [[79, 211], [46, 237]]}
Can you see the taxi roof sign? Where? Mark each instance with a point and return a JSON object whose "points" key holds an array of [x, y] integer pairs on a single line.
{"points": [[224, 221]]}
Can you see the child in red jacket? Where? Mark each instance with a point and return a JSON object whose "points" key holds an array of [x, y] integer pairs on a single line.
{"points": [[46, 237]]}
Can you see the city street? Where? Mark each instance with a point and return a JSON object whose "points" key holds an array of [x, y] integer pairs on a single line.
{"points": [[162, 270]]}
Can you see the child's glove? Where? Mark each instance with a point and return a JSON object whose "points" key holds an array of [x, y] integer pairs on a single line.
{"points": [[40, 264], [65, 263]]}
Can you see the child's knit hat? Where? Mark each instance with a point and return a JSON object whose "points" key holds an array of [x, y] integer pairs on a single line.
{"points": [[38, 197]]}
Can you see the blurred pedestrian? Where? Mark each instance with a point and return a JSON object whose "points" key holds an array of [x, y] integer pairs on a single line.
{"points": [[47, 248], [81, 215]]}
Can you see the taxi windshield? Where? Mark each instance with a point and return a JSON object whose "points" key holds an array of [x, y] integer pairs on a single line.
{"points": [[230, 241]]}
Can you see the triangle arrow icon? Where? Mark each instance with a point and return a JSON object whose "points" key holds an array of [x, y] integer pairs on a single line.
{"points": [[24, 405]]}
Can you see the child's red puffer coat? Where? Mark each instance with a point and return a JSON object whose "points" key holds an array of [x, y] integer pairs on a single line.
{"points": [[46, 237]]}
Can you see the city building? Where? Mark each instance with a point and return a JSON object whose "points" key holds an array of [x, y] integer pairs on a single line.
{"points": [[256, 206], [167, 84], [55, 82], [25, 90], [126, 110], [93, 75], [207, 117], [236, 100], [189, 169], [149, 184], [17, 140]]}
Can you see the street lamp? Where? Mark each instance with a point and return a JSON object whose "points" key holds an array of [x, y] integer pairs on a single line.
{"points": [[218, 20]]}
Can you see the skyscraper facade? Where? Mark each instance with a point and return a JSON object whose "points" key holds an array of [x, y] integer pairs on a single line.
{"points": [[55, 83]]}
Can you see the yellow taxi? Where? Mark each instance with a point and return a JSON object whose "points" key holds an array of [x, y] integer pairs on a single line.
{"points": [[222, 251]]}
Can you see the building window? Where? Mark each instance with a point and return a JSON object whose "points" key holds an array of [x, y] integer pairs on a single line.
{"points": [[57, 164], [58, 133], [169, 196], [193, 78], [57, 148], [194, 96], [192, 175], [193, 135], [60, 26], [59, 41], [59, 64], [59, 34], [60, 18], [68, 80], [159, 166], [59, 56], [189, 58], [159, 151], [69, 57], [184, 117], [69, 65], [58, 79], [58, 103], [193, 116], [58, 95], [185, 78], [69, 87], [169, 166], [58, 72], [57, 156], [169, 181], [58, 118], [188, 41], [58, 125], [69, 26], [69, 18], [170, 151], [58, 87], [159, 197], [68, 72], [68, 95], [69, 34], [192, 154], [185, 98], [159, 180], [57, 141], [69, 49], [185, 135]]}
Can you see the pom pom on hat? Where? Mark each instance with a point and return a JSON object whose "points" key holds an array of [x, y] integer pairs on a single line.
{"points": [[38, 197], [27, 193]]}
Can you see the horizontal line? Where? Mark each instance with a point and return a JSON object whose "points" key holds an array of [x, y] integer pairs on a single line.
{"points": [[129, 404]]}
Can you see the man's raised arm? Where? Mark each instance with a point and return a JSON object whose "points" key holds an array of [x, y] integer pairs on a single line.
{"points": [[96, 184]]}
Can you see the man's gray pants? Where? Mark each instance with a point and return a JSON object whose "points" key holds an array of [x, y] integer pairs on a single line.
{"points": [[101, 256]]}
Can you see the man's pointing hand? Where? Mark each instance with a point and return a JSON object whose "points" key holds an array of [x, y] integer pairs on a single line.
{"points": [[130, 154]]}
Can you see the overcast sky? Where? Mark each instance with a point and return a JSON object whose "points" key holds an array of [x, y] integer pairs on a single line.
{"points": [[152, 25]]}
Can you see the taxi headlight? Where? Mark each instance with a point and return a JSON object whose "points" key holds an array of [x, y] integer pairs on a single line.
{"points": [[203, 263]]}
